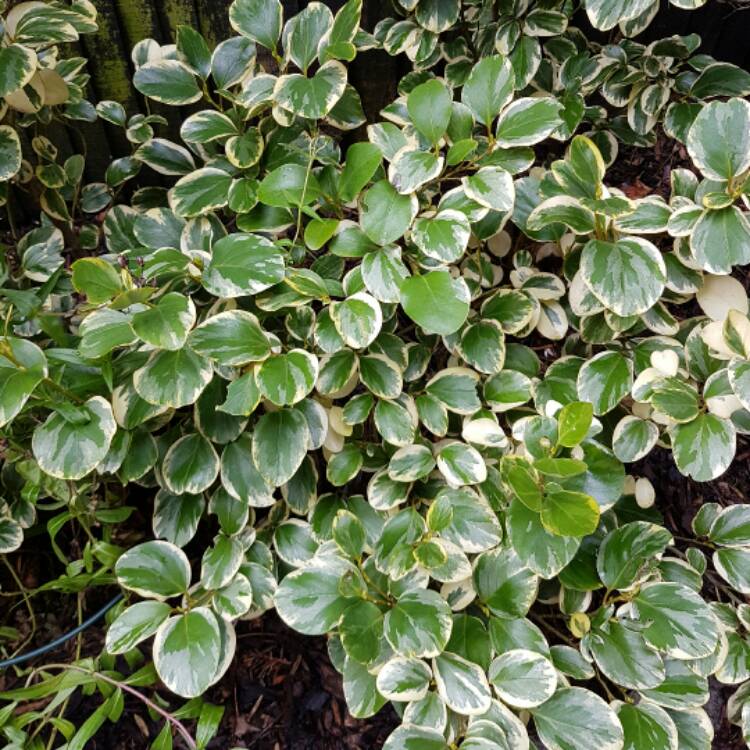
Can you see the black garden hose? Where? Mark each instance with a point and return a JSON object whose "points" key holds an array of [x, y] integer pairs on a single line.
{"points": [[58, 641]]}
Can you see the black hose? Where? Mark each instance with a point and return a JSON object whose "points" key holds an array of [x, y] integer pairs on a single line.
{"points": [[58, 641]]}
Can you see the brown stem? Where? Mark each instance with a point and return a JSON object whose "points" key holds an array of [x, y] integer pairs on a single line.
{"points": [[176, 723]]}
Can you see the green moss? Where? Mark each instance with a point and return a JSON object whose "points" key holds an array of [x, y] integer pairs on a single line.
{"points": [[177, 12]]}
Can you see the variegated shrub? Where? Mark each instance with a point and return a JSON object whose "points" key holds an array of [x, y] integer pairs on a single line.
{"points": [[401, 381]]}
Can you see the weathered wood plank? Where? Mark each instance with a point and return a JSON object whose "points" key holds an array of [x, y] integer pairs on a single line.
{"points": [[213, 18], [174, 13], [139, 19], [109, 66]]}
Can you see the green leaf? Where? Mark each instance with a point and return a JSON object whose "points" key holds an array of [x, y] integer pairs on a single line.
{"points": [[605, 380], [719, 139], [232, 338], [461, 464], [412, 168], [67, 449], [491, 187], [385, 214], [543, 552], [573, 423], [488, 88], [383, 272], [524, 482], [244, 151], [308, 599], [675, 398], [10, 153], [289, 185], [436, 302], [134, 625], [562, 209], [349, 533], [260, 20], [187, 652], [443, 237], [303, 32], [437, 15], [312, 97], [410, 463], [154, 569], [627, 276], [507, 389], [679, 621], [167, 81], [190, 465], [567, 513], [633, 438], [461, 684], [176, 517], [173, 378], [733, 565], [704, 448], [11, 535], [721, 239], [415, 738], [280, 444], [482, 346], [527, 121], [360, 690], [694, 729], [647, 726], [159, 228], [522, 678], [558, 721], [41, 253], [606, 14], [166, 324], [344, 466], [419, 624], [504, 583], [473, 525], [358, 319], [362, 161], [200, 192], [193, 48], [221, 561], [165, 157], [240, 476], [404, 679], [626, 551], [17, 67], [624, 656], [343, 32], [361, 630], [97, 279], [285, 379], [207, 126], [429, 107], [731, 527], [243, 264], [19, 377], [395, 423]]}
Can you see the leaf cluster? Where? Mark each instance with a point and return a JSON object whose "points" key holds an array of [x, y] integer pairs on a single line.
{"points": [[396, 386]]}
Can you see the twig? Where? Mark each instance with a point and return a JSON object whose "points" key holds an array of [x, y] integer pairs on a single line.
{"points": [[176, 723]]}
